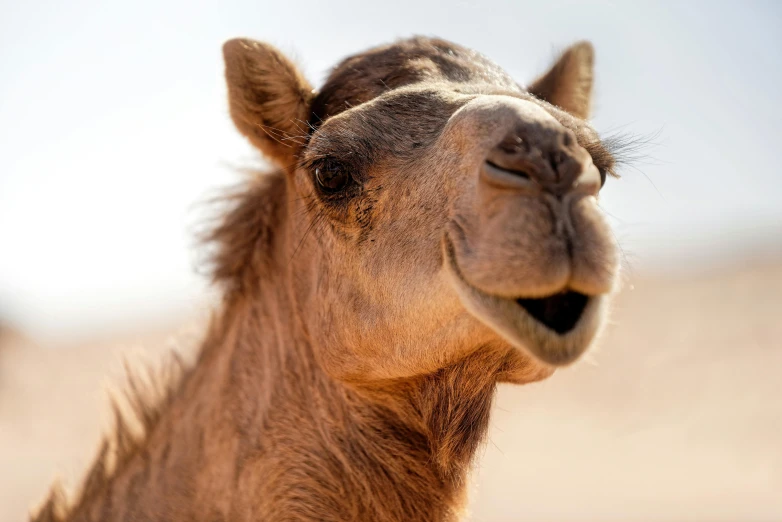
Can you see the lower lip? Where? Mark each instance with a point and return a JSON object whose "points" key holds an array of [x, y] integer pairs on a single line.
{"points": [[520, 328]]}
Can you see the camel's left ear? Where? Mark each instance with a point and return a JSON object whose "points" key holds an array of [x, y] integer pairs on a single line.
{"points": [[568, 84], [269, 98]]}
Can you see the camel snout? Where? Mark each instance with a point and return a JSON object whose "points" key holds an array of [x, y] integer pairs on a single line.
{"points": [[532, 228], [538, 155]]}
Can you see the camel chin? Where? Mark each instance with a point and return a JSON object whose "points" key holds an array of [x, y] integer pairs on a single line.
{"points": [[555, 330]]}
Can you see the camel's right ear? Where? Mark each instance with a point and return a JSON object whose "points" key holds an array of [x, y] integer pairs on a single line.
{"points": [[268, 97], [568, 84]]}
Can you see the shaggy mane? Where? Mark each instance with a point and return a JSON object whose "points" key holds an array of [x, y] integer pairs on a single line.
{"points": [[136, 411], [237, 242], [240, 236]]}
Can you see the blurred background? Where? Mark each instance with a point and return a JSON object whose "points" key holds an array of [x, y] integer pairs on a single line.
{"points": [[114, 126]]}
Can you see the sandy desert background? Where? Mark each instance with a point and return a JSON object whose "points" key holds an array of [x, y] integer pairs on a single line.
{"points": [[675, 415]]}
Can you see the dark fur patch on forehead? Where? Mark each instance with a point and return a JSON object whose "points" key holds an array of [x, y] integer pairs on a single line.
{"points": [[429, 64], [365, 76], [397, 125]]}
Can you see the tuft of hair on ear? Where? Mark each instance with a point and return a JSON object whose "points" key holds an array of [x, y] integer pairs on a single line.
{"points": [[268, 97], [568, 84]]}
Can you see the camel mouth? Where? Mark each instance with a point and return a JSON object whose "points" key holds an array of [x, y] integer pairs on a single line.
{"points": [[555, 329], [559, 312]]}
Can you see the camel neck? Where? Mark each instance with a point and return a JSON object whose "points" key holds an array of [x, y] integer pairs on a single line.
{"points": [[303, 442], [394, 450], [258, 430]]}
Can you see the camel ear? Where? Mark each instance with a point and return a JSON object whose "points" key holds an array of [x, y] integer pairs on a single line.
{"points": [[269, 99], [568, 84]]}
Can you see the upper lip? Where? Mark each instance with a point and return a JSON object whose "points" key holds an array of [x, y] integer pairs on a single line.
{"points": [[555, 329]]}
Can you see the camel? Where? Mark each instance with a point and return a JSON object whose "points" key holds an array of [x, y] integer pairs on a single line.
{"points": [[431, 230]]}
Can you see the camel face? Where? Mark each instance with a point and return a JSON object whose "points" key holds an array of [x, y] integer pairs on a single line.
{"points": [[437, 207]]}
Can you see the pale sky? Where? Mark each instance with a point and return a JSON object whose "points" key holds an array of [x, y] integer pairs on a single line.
{"points": [[114, 125]]}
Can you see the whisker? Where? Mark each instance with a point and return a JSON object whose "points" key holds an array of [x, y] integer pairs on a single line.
{"points": [[316, 221]]}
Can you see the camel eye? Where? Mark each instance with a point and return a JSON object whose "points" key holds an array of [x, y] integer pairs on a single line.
{"points": [[331, 179]]}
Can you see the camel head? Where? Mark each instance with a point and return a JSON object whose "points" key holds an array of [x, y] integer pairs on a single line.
{"points": [[432, 207]]}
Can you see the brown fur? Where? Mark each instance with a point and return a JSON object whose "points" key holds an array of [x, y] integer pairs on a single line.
{"points": [[348, 374]]}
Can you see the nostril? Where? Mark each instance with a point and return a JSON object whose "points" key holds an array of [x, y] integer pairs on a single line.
{"points": [[511, 146], [514, 171], [514, 158], [555, 157]]}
